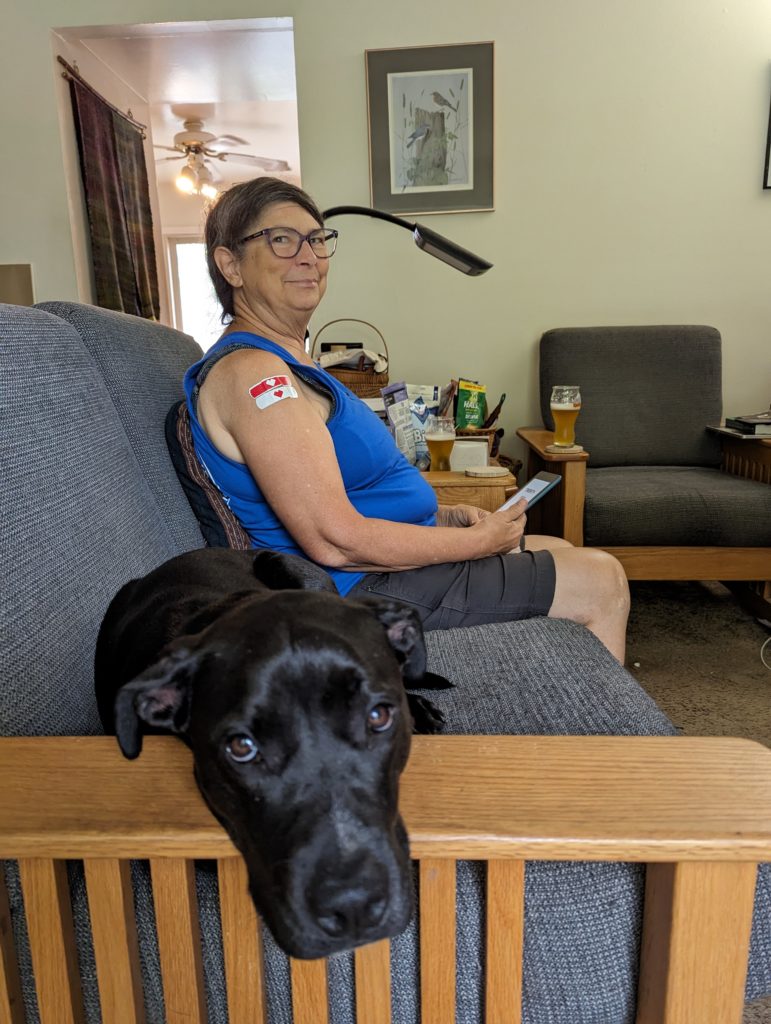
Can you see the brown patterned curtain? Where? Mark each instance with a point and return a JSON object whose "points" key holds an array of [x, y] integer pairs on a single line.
{"points": [[114, 174]]}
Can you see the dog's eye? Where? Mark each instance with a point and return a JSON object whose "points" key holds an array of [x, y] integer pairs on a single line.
{"points": [[242, 749], [380, 717]]}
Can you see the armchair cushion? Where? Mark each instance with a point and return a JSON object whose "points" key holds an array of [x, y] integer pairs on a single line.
{"points": [[648, 392], [680, 506]]}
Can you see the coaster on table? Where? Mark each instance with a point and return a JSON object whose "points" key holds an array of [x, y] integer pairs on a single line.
{"points": [[559, 449], [487, 471]]}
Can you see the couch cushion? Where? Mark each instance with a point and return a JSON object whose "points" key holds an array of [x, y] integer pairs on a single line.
{"points": [[77, 521], [648, 392], [675, 506], [142, 364]]}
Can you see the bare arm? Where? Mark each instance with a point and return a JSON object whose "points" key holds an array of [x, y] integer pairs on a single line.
{"points": [[289, 451]]}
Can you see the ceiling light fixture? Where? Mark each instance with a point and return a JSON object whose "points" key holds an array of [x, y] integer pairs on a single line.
{"points": [[195, 178], [426, 239], [187, 181]]}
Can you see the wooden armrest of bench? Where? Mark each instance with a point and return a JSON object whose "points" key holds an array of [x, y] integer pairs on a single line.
{"points": [[697, 810], [661, 799]]}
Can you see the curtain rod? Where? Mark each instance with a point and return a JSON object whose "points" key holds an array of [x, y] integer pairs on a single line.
{"points": [[72, 73]]}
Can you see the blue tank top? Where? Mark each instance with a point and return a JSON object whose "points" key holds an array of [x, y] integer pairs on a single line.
{"points": [[379, 481]]}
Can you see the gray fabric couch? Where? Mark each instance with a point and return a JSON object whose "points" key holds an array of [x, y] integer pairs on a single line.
{"points": [[89, 500]]}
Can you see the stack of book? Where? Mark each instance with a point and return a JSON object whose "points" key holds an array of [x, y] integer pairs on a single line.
{"points": [[757, 423]]}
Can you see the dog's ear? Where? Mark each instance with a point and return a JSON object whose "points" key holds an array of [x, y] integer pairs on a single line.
{"points": [[159, 696], [280, 571], [405, 635]]}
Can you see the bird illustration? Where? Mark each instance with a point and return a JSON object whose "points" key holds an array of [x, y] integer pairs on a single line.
{"points": [[441, 101], [420, 133]]}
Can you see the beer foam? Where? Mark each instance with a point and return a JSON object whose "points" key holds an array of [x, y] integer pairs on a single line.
{"points": [[565, 406]]}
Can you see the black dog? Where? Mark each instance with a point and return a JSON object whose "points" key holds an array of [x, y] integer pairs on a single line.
{"points": [[292, 700]]}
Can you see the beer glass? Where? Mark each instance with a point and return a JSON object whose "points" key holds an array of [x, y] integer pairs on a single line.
{"points": [[565, 406], [440, 438]]}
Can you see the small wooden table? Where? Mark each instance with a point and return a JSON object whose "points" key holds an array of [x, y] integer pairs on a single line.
{"points": [[453, 488]]}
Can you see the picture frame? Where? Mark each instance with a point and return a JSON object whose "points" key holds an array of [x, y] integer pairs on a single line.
{"points": [[430, 118], [767, 169]]}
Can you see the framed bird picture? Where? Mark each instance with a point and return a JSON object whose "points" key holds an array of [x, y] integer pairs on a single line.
{"points": [[431, 128]]}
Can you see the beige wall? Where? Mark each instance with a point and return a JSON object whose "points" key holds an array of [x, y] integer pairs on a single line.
{"points": [[629, 152]]}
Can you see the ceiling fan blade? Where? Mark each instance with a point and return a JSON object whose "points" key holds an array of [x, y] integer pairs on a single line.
{"points": [[223, 141], [266, 163], [171, 149], [163, 159]]}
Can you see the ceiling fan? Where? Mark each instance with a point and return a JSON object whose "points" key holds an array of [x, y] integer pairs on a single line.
{"points": [[197, 147]]}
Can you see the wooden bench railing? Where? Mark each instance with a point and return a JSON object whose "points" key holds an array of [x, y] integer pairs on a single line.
{"points": [[697, 811]]}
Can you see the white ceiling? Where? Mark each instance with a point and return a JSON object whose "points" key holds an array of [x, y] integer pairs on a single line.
{"points": [[238, 77]]}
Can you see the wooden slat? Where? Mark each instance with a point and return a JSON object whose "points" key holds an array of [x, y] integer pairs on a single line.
{"points": [[708, 563], [52, 940], [372, 972], [648, 798], [310, 994], [505, 940], [179, 940], [437, 941], [11, 1004], [116, 949], [695, 945], [242, 945]]}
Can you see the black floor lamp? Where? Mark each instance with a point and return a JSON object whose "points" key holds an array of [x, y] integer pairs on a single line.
{"points": [[426, 239]]}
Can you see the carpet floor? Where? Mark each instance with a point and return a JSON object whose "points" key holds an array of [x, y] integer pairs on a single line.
{"points": [[698, 654]]}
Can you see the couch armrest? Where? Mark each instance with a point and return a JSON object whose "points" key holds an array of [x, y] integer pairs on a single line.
{"points": [[697, 810], [560, 514], [599, 798]]}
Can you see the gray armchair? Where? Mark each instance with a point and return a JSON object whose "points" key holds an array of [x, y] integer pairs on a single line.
{"points": [[653, 485]]}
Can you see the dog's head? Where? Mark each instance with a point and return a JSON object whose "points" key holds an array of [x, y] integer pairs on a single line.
{"points": [[294, 706]]}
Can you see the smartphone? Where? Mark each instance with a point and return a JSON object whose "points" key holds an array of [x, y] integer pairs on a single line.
{"points": [[533, 490]]}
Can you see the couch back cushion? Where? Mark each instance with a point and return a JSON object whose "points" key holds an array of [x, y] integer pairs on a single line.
{"points": [[78, 519], [142, 364], [648, 392]]}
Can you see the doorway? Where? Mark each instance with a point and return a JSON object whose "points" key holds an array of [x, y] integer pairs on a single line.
{"points": [[234, 81]]}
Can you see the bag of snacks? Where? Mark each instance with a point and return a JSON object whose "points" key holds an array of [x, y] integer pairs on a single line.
{"points": [[472, 404]]}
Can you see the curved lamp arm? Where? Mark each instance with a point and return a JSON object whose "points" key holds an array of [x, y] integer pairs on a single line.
{"points": [[426, 239]]}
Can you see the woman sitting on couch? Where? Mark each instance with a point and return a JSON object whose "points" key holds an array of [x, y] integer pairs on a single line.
{"points": [[308, 468]]}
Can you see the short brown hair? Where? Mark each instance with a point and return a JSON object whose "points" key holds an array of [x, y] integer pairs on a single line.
{"points": [[231, 216]]}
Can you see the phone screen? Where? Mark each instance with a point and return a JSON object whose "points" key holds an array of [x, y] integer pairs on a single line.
{"points": [[533, 490]]}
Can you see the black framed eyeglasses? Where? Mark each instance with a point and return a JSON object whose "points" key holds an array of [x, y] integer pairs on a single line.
{"points": [[286, 242]]}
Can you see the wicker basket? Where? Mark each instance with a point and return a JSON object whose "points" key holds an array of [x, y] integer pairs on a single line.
{"points": [[363, 383]]}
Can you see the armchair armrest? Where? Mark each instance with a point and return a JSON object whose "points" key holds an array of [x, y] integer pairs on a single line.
{"points": [[560, 514], [750, 457]]}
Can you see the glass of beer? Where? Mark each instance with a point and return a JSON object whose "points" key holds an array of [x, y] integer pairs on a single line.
{"points": [[440, 438], [565, 406]]}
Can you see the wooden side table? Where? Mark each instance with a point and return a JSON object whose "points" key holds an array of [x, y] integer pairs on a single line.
{"points": [[458, 489]]}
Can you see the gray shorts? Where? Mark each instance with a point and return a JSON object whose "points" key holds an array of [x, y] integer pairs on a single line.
{"points": [[500, 588]]}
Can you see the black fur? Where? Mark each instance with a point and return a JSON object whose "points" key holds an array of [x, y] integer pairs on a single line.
{"points": [[243, 651]]}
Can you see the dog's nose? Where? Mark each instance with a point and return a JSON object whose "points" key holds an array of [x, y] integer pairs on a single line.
{"points": [[353, 900]]}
